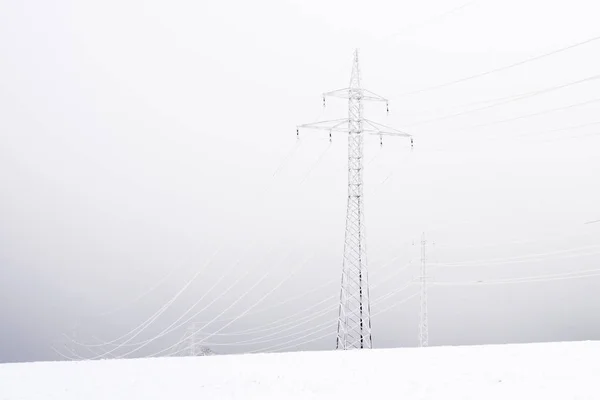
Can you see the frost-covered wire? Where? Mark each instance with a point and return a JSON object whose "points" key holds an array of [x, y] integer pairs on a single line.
{"points": [[303, 295], [136, 331], [504, 68], [535, 114], [287, 157], [506, 100], [303, 315], [64, 356], [430, 20], [174, 326], [231, 305], [181, 341], [241, 315], [522, 258], [323, 326], [528, 279], [334, 325], [316, 163], [304, 321], [140, 296]]}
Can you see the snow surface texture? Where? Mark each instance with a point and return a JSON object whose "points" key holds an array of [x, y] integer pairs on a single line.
{"points": [[546, 371]]}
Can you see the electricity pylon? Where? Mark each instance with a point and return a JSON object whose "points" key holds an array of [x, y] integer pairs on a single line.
{"points": [[191, 344], [354, 320], [423, 320]]}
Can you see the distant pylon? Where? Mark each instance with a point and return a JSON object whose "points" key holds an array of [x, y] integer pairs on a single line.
{"points": [[354, 320], [192, 345], [423, 320]]}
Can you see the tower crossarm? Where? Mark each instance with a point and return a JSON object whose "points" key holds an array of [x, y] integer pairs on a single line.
{"points": [[368, 127], [336, 125], [375, 128], [355, 93]]}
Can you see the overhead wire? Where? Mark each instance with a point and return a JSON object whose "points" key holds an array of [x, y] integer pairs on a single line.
{"points": [[316, 163], [140, 296], [566, 128], [334, 325], [485, 137], [171, 329], [137, 330], [287, 157], [530, 279], [520, 259], [235, 319], [181, 341], [313, 317], [429, 20], [506, 100], [310, 317], [64, 356], [326, 324], [170, 302], [504, 68], [298, 296], [293, 317], [206, 293], [299, 322], [544, 112], [562, 237], [174, 325]]}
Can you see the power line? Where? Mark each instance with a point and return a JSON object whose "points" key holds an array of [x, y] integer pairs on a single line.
{"points": [[302, 295], [294, 317], [481, 136], [308, 318], [230, 306], [140, 328], [507, 100], [536, 114], [316, 163], [279, 348], [251, 331], [325, 326], [140, 296], [522, 258], [529, 279], [302, 321], [504, 68], [325, 311], [205, 325], [238, 317], [430, 20], [287, 157], [137, 331]]}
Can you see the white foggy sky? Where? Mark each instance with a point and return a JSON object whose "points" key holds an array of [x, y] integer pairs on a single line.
{"points": [[138, 137]]}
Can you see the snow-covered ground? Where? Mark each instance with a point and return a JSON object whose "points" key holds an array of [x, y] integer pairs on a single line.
{"points": [[569, 370]]}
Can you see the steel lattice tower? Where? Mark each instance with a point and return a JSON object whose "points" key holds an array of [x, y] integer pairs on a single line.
{"points": [[191, 344], [354, 320], [423, 318]]}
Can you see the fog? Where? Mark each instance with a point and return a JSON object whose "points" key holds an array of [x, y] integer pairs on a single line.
{"points": [[145, 143]]}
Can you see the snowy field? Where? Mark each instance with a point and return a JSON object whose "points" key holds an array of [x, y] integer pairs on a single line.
{"points": [[568, 370]]}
